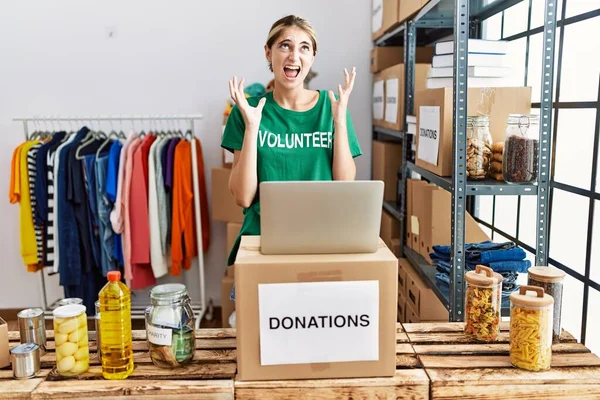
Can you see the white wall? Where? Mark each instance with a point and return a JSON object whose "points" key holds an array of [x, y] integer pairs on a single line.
{"points": [[58, 58]]}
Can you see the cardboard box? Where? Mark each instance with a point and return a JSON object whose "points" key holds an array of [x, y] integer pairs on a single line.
{"points": [[385, 163], [401, 308], [408, 8], [297, 291], [233, 230], [230, 271], [383, 57], [395, 247], [378, 100], [223, 204], [497, 103], [411, 316], [227, 305], [390, 228], [435, 220], [4, 347], [384, 17], [420, 298], [416, 213], [402, 283], [394, 93]]}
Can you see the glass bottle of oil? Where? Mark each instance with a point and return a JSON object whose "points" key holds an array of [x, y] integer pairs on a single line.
{"points": [[115, 325]]}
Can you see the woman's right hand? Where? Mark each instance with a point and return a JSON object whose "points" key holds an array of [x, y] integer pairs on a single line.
{"points": [[251, 115]]}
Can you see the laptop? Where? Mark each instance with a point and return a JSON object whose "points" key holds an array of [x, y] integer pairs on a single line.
{"points": [[320, 217]]}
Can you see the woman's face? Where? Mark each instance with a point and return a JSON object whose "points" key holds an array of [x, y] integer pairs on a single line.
{"points": [[291, 57]]}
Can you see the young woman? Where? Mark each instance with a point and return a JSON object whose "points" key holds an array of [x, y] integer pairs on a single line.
{"points": [[291, 133]]}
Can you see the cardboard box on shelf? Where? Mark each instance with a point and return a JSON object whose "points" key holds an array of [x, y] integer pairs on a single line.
{"points": [[408, 8], [402, 283], [434, 120], [233, 230], [411, 315], [383, 57], [378, 101], [227, 305], [423, 301], [390, 228], [401, 308], [223, 204], [435, 220], [230, 271], [416, 213], [384, 17], [282, 299], [393, 117], [386, 161], [4, 346], [395, 247]]}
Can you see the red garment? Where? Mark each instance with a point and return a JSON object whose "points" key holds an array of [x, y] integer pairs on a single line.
{"points": [[139, 218], [183, 232]]}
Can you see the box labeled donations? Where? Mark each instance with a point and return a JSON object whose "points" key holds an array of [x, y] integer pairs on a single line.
{"points": [[315, 316]]}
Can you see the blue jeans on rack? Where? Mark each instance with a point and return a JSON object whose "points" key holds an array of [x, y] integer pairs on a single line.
{"points": [[108, 260]]}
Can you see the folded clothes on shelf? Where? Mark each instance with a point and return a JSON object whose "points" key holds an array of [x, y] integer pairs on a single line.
{"points": [[507, 288], [484, 252]]}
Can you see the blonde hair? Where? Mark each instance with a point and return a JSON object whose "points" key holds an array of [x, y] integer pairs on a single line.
{"points": [[286, 22]]}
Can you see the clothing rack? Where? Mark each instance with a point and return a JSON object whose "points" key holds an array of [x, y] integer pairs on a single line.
{"points": [[137, 312]]}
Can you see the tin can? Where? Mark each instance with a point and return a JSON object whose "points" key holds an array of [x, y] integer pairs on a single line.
{"points": [[32, 327], [68, 301], [25, 359]]}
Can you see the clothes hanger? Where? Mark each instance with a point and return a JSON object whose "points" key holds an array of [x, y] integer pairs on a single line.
{"points": [[113, 133]]}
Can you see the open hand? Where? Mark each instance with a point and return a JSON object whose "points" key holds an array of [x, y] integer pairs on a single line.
{"points": [[339, 106], [251, 115]]}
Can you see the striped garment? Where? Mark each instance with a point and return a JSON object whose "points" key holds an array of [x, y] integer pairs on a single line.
{"points": [[31, 169], [50, 242]]}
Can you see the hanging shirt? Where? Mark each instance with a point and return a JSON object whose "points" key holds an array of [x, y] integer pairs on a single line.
{"points": [[116, 215], [128, 169], [158, 258], [70, 257], [111, 191], [170, 162], [163, 200], [37, 226], [19, 193], [53, 189], [44, 192], [183, 243]]}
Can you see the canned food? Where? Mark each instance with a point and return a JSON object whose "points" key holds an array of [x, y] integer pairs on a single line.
{"points": [[25, 360], [32, 327], [71, 339]]}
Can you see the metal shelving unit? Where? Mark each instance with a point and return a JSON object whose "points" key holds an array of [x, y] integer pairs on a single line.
{"points": [[462, 19]]}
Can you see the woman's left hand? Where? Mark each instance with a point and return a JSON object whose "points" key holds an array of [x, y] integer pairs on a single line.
{"points": [[340, 106]]}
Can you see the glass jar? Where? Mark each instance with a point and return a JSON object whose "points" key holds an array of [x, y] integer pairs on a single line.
{"points": [[479, 142], [551, 280], [483, 300], [69, 300], [71, 340], [170, 324], [97, 323], [531, 328], [521, 149]]}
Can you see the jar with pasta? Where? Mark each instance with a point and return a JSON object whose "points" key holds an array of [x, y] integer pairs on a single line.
{"points": [[479, 142], [71, 340], [551, 280], [483, 301], [531, 328]]}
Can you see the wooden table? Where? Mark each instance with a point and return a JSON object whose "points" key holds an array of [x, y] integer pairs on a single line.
{"points": [[433, 361]]}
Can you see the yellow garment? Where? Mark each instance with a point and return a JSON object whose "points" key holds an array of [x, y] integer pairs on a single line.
{"points": [[28, 241]]}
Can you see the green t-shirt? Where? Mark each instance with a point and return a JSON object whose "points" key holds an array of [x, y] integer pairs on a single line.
{"points": [[292, 146]]}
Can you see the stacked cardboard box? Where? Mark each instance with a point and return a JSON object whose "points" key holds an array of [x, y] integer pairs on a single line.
{"points": [[419, 302], [388, 14], [228, 305]]}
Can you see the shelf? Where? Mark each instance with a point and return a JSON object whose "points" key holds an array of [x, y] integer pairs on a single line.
{"points": [[427, 272], [393, 208], [485, 187], [389, 132]]}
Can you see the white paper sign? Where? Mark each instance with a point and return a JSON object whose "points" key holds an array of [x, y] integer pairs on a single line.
{"points": [[318, 322], [391, 100], [429, 134], [377, 15], [159, 336], [378, 100]]}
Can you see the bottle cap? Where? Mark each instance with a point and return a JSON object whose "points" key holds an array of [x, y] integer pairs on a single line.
{"points": [[531, 296], [484, 277], [72, 310], [547, 274], [114, 276]]}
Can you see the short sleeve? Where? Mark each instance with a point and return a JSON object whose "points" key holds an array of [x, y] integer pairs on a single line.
{"points": [[352, 139], [233, 136]]}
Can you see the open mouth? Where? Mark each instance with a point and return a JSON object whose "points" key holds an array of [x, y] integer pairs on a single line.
{"points": [[291, 71]]}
